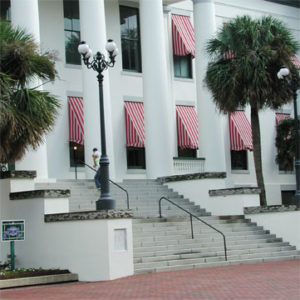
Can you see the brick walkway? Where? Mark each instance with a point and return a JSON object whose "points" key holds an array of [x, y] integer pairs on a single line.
{"points": [[267, 281]]}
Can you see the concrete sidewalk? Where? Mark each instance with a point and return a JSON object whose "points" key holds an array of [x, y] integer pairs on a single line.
{"points": [[267, 281]]}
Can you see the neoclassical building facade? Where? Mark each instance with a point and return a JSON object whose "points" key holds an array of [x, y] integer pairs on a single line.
{"points": [[160, 117]]}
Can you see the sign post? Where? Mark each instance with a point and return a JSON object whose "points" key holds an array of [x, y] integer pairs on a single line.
{"points": [[11, 231], [12, 255]]}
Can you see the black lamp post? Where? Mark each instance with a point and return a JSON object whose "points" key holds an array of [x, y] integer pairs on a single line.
{"points": [[75, 160], [294, 83], [99, 64]]}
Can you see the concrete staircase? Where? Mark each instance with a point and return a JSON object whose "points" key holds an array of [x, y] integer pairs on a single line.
{"points": [[166, 244], [143, 197]]}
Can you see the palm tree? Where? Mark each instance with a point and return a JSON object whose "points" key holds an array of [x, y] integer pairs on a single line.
{"points": [[26, 114], [246, 56]]}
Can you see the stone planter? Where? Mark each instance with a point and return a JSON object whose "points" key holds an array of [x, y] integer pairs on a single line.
{"points": [[36, 280]]}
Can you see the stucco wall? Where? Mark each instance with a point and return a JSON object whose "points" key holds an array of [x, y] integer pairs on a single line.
{"points": [[284, 224], [86, 247]]}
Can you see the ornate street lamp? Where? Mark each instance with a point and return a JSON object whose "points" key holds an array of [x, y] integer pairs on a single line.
{"points": [[99, 64], [283, 72]]}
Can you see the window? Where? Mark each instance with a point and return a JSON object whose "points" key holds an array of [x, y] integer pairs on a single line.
{"points": [[239, 160], [136, 158], [286, 166], [192, 153], [183, 66], [76, 155], [130, 39], [294, 3], [5, 10], [72, 31], [287, 197]]}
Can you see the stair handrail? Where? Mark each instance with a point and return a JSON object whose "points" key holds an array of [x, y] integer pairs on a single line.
{"points": [[120, 187], [191, 220]]}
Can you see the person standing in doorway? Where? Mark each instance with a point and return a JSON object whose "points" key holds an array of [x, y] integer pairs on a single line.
{"points": [[96, 159]]}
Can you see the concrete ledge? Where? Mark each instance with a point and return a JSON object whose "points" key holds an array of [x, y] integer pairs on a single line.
{"points": [[89, 215], [17, 174], [269, 209], [40, 194], [36, 280], [193, 176], [234, 191]]}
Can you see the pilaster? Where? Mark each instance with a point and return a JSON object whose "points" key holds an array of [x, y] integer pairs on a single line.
{"points": [[25, 14], [211, 144], [157, 102], [93, 32]]}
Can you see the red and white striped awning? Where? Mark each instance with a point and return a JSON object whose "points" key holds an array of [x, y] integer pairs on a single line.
{"points": [[240, 131], [281, 116], [296, 61], [183, 36], [76, 120], [187, 127], [134, 124]]}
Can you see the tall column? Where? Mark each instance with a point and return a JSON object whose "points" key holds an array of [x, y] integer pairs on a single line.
{"points": [[25, 14], [211, 144], [93, 32], [157, 103]]}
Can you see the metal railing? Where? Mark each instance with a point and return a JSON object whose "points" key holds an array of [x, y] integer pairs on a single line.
{"points": [[120, 187], [191, 220]]}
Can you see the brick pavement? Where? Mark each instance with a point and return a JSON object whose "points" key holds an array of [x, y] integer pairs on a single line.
{"points": [[266, 281]]}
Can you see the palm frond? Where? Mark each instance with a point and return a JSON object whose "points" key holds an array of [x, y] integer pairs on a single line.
{"points": [[26, 115]]}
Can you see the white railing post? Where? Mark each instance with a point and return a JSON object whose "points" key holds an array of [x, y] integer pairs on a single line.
{"points": [[185, 165]]}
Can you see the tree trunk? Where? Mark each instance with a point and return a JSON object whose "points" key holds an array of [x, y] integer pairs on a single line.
{"points": [[257, 154]]}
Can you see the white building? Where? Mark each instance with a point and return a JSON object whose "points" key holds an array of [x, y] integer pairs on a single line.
{"points": [[153, 77]]}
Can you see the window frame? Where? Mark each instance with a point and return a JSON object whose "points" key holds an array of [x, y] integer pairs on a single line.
{"points": [[5, 8], [187, 153], [132, 49], [235, 168], [140, 154], [80, 148], [291, 3], [177, 59], [75, 58]]}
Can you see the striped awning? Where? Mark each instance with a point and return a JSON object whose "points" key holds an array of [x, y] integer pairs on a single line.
{"points": [[182, 36], [76, 120], [240, 131], [281, 116], [187, 127], [296, 61], [134, 124]]}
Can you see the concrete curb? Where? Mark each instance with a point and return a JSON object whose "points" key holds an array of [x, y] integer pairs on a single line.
{"points": [[18, 282]]}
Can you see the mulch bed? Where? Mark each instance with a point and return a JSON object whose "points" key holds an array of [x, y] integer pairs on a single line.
{"points": [[31, 273]]}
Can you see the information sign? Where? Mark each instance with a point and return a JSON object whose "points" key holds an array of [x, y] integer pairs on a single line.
{"points": [[12, 230]]}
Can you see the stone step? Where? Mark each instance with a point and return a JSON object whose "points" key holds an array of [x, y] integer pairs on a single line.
{"points": [[197, 226], [213, 264], [216, 247], [167, 221], [191, 261], [207, 256], [152, 255], [207, 242], [201, 237]]}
